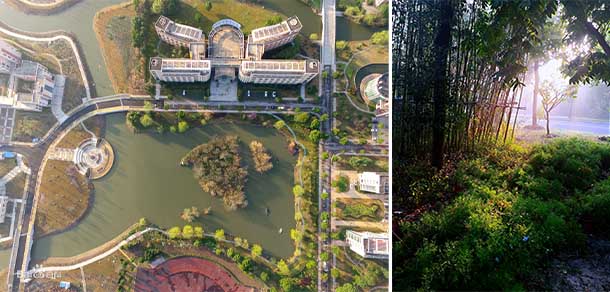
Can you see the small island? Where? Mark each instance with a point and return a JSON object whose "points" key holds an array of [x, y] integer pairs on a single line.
{"points": [[216, 165], [262, 159]]}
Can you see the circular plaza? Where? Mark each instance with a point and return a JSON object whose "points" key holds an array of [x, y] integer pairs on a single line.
{"points": [[94, 156]]}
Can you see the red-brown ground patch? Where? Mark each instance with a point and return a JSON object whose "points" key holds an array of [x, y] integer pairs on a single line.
{"points": [[187, 274]]}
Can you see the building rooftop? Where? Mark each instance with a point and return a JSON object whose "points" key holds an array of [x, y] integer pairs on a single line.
{"points": [[277, 30], [178, 64], [185, 32]]}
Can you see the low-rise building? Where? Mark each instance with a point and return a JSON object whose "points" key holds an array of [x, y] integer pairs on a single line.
{"points": [[369, 244], [278, 71], [374, 182], [177, 34], [376, 90], [10, 57], [277, 35], [180, 70]]}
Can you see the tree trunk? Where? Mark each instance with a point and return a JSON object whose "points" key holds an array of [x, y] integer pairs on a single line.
{"points": [[535, 96], [598, 36], [442, 43], [548, 128]]}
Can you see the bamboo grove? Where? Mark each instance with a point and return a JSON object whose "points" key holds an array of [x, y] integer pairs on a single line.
{"points": [[458, 71]]}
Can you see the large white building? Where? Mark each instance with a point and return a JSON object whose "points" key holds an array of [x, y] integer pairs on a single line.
{"points": [[368, 244], [226, 52], [374, 182], [29, 85]]}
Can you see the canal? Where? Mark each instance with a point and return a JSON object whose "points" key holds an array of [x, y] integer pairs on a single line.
{"points": [[147, 181]]}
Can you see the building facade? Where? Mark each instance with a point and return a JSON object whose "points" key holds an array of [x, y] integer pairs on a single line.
{"points": [[10, 57], [368, 244], [226, 51], [374, 182]]}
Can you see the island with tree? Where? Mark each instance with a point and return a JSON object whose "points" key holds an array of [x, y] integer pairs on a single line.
{"points": [[261, 157], [217, 167]]}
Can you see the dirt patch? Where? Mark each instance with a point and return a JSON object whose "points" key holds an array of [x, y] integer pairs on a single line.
{"points": [[112, 27], [588, 272]]}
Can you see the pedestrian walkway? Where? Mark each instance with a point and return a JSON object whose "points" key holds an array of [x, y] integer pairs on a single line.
{"points": [[360, 224], [62, 154], [58, 95]]}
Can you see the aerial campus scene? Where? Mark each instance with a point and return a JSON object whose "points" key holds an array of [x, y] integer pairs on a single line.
{"points": [[194, 145]]}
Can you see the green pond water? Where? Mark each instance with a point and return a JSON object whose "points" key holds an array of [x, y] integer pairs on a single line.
{"points": [[147, 181]]}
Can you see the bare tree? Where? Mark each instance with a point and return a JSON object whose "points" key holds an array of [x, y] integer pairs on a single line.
{"points": [[552, 96]]}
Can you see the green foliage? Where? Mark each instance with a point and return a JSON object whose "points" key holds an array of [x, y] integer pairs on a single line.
{"points": [[279, 124], [216, 165], [298, 191], [380, 38], [360, 162], [301, 118], [257, 250], [219, 235], [274, 20], [348, 287], [187, 232], [315, 136], [174, 232], [514, 211], [341, 184], [283, 268], [164, 6], [341, 45]]}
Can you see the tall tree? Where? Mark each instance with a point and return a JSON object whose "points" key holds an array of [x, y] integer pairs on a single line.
{"points": [[588, 21], [546, 46]]}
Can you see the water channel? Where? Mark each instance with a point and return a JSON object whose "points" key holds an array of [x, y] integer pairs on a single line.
{"points": [[146, 181]]}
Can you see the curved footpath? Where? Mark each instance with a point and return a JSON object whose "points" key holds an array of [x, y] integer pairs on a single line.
{"points": [[29, 6], [13, 32]]}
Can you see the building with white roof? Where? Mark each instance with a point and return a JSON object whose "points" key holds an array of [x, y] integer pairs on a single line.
{"points": [[374, 182], [226, 52], [177, 34], [180, 70], [368, 244], [30, 85], [278, 71], [277, 35]]}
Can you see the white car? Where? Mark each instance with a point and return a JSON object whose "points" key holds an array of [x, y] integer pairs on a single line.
{"points": [[248, 93], [273, 94], [265, 93]]}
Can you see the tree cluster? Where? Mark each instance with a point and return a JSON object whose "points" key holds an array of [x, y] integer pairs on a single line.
{"points": [[217, 167], [262, 159]]}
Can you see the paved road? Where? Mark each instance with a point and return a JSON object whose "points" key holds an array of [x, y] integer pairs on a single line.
{"points": [[563, 124]]}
